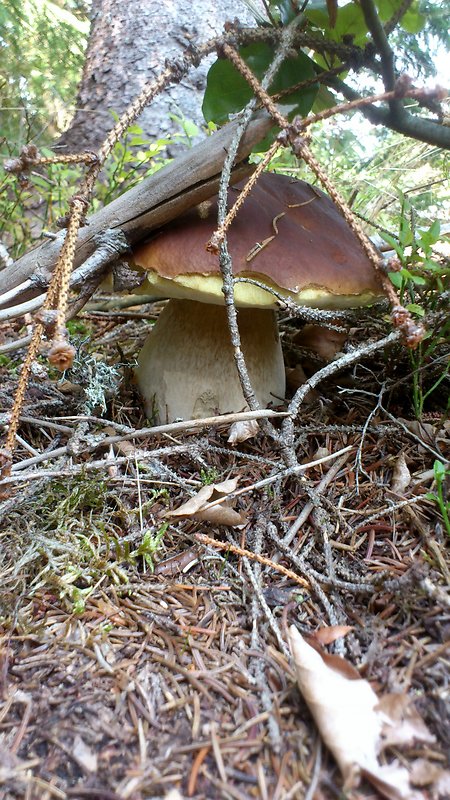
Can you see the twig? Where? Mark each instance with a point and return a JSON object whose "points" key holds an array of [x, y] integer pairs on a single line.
{"points": [[224, 256], [258, 599], [312, 575], [387, 510], [297, 469], [381, 43], [153, 467], [316, 773], [111, 244], [287, 429], [424, 130], [402, 89], [142, 433], [358, 459], [240, 551], [410, 433], [306, 511]]}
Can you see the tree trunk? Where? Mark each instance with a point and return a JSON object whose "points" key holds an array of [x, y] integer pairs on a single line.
{"points": [[128, 46]]}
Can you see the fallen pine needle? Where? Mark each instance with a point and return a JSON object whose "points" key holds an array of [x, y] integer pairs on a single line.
{"points": [[198, 761]]}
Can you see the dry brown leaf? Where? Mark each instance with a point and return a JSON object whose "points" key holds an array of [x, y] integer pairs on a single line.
{"points": [[242, 430], [330, 633], [426, 773], [222, 514], [430, 434], [401, 476], [352, 721], [402, 724]]}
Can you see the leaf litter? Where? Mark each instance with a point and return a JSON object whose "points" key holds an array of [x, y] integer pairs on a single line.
{"points": [[119, 682], [355, 724]]}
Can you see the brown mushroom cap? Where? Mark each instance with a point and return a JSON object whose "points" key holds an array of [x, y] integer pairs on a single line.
{"points": [[313, 258]]}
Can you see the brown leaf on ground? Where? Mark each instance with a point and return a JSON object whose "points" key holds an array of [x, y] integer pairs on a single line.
{"points": [[426, 773], [354, 724], [242, 430], [330, 633], [222, 514], [401, 476], [402, 725]]}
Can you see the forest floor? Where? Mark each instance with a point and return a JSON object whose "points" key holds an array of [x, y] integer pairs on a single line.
{"points": [[139, 662]]}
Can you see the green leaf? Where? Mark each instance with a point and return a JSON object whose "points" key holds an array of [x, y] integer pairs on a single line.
{"points": [[396, 279], [287, 10], [318, 16], [439, 470], [435, 266], [350, 22], [418, 280], [435, 230], [411, 276], [394, 244], [411, 22], [227, 92], [324, 99], [416, 309]]}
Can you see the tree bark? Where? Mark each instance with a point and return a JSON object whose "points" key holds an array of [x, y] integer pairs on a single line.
{"points": [[128, 46]]}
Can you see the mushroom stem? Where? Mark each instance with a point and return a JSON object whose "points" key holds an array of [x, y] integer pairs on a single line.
{"points": [[186, 368]]}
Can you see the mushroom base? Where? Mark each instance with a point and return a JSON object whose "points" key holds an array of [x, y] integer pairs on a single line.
{"points": [[186, 368]]}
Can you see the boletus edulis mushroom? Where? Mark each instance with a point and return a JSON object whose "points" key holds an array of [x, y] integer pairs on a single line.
{"points": [[288, 236]]}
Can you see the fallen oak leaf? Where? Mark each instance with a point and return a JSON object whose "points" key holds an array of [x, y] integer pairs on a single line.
{"points": [[222, 514], [350, 720]]}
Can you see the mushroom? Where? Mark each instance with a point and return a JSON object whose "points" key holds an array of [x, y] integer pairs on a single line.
{"points": [[289, 237]]}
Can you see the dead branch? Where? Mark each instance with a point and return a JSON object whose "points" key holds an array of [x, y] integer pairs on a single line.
{"points": [[190, 179]]}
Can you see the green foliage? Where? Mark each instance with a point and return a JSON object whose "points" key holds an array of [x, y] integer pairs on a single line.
{"points": [[349, 22], [441, 477], [208, 476], [133, 158], [412, 21], [421, 282], [48, 191], [146, 550], [227, 92], [41, 57], [83, 535]]}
